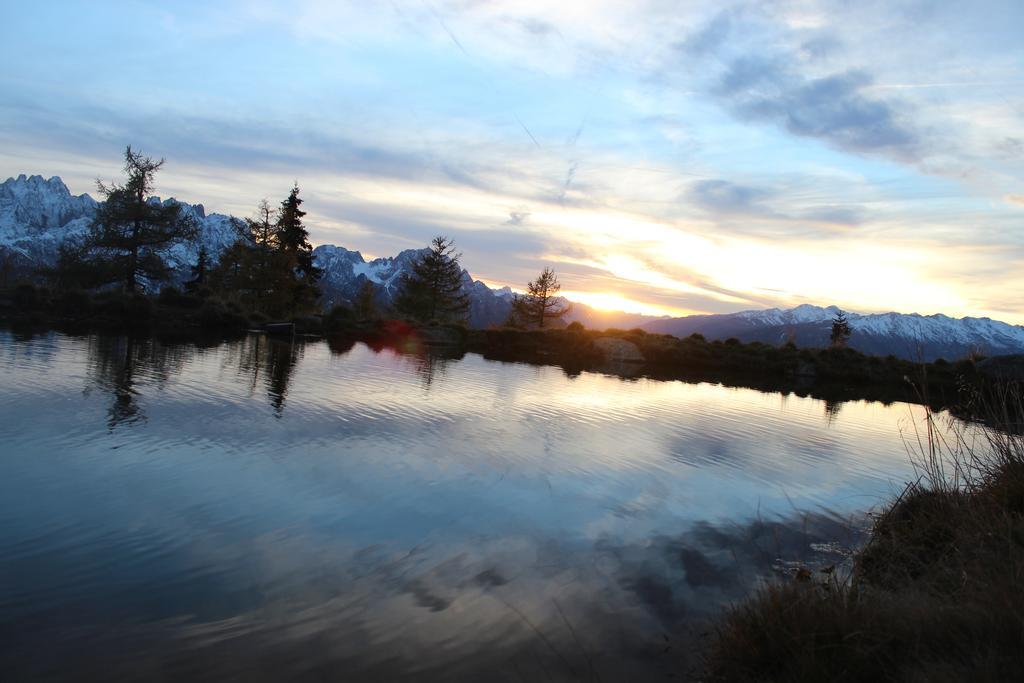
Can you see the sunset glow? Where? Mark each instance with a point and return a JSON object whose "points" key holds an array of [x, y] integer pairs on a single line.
{"points": [[661, 159]]}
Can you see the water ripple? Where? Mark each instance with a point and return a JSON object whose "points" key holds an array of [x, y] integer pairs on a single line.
{"points": [[388, 514]]}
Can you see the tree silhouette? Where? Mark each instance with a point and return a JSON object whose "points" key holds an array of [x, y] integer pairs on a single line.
{"points": [[365, 307], [130, 230], [433, 290], [292, 241], [840, 330], [199, 271], [541, 301], [269, 269]]}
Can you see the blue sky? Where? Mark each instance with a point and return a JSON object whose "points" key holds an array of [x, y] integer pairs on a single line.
{"points": [[662, 156]]}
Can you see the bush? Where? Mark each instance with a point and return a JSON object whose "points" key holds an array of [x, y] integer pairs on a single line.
{"points": [[26, 296], [133, 307], [174, 298], [309, 325], [575, 326], [215, 315], [339, 317], [73, 302]]}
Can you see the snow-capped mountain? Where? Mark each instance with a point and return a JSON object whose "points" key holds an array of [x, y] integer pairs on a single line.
{"points": [[345, 271], [37, 215], [912, 336]]}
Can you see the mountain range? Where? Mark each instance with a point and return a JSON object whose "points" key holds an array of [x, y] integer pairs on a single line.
{"points": [[37, 214]]}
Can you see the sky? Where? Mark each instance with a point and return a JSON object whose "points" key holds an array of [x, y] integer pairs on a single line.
{"points": [[664, 157]]}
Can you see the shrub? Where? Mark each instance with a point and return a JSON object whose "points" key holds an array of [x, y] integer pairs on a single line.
{"points": [[134, 307], [339, 317], [26, 296], [174, 298], [214, 314], [73, 302]]}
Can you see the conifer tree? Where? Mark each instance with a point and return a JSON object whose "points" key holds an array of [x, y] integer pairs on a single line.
{"points": [[130, 230], [292, 240], [840, 330], [199, 271], [267, 275], [541, 302], [365, 303], [433, 290]]}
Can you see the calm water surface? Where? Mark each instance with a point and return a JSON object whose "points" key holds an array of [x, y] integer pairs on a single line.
{"points": [[262, 511]]}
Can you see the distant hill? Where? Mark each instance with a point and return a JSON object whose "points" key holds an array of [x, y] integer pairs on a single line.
{"points": [[37, 214], [911, 336]]}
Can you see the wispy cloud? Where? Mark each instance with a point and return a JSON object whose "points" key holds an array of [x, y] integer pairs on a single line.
{"points": [[832, 108]]}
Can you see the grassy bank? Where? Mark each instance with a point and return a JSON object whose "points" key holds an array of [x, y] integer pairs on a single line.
{"points": [[831, 374], [937, 594]]}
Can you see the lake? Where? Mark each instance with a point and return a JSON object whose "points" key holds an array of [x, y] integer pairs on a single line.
{"points": [[262, 510]]}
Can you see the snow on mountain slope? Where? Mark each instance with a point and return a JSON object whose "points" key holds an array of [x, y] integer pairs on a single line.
{"points": [[906, 335], [804, 313], [908, 325], [37, 215]]}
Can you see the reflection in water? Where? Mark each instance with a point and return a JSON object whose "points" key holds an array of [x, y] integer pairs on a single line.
{"points": [[832, 409], [428, 361], [115, 361], [410, 515], [270, 361]]}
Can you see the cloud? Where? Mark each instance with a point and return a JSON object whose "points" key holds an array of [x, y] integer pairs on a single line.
{"points": [[725, 198], [1015, 199], [537, 27], [517, 217], [709, 38], [836, 215], [832, 108], [821, 47], [722, 196]]}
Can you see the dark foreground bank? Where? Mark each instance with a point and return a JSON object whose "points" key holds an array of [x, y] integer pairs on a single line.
{"points": [[935, 595]]}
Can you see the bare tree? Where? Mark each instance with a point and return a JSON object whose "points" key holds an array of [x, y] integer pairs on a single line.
{"points": [[541, 301]]}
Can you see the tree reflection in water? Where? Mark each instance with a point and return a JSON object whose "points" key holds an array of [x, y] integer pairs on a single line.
{"points": [[116, 365], [271, 361], [428, 361]]}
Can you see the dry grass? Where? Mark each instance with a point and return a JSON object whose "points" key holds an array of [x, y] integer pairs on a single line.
{"points": [[936, 595]]}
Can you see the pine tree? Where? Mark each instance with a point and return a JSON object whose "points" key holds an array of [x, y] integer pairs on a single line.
{"points": [[131, 231], [198, 271], [267, 276], [293, 241], [840, 330], [365, 304], [541, 302], [433, 290]]}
